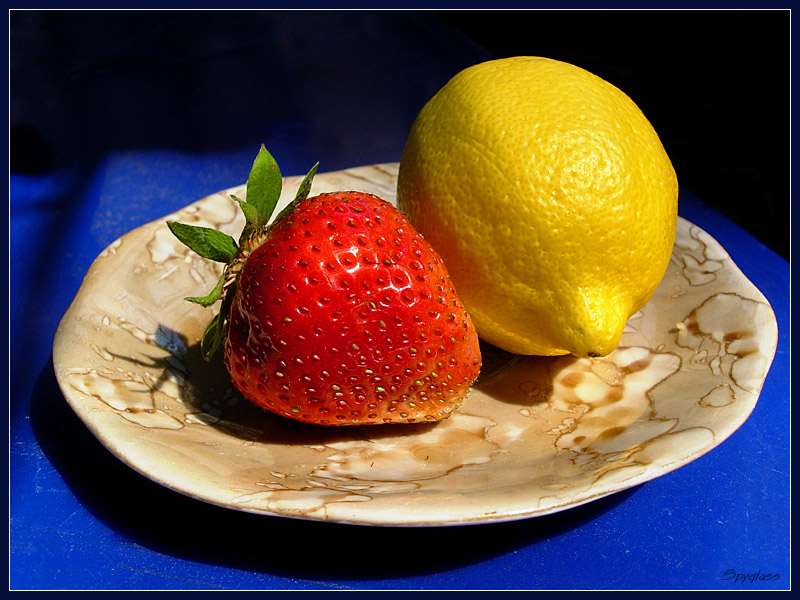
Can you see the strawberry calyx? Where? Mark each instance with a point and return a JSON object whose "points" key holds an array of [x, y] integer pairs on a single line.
{"points": [[263, 191]]}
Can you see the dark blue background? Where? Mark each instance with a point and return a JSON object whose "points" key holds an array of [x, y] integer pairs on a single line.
{"points": [[715, 84], [119, 118]]}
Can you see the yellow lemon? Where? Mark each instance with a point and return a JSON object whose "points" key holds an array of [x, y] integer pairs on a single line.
{"points": [[550, 198]]}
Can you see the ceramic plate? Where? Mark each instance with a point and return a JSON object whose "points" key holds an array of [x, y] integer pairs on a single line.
{"points": [[534, 436]]}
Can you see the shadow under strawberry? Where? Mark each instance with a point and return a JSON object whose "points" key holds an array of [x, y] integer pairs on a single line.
{"points": [[208, 390]]}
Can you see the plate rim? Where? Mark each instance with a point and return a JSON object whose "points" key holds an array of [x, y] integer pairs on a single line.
{"points": [[61, 339]]}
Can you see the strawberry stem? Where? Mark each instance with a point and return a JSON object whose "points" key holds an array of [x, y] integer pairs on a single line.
{"points": [[264, 186]]}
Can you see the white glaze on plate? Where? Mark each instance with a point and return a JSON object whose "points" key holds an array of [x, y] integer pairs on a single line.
{"points": [[534, 436]]}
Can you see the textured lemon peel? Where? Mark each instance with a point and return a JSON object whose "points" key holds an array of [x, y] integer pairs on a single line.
{"points": [[550, 198]]}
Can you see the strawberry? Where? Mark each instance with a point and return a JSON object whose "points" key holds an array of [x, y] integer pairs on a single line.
{"points": [[336, 313]]}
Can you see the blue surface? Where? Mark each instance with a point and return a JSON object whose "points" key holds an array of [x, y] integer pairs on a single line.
{"points": [[81, 519]]}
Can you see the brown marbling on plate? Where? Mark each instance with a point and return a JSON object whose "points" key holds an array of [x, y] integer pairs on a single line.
{"points": [[534, 436]]}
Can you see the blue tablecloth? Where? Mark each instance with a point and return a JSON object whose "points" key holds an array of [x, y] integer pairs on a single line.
{"points": [[76, 518]]}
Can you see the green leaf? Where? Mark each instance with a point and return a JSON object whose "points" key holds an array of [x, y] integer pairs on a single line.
{"points": [[250, 211], [286, 210], [211, 339], [212, 336], [302, 193], [305, 185], [208, 243], [264, 187], [212, 297]]}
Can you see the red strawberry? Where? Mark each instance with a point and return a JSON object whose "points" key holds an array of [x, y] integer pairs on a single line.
{"points": [[339, 313]]}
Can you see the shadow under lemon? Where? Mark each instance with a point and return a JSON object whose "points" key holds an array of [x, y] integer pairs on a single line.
{"points": [[518, 379]]}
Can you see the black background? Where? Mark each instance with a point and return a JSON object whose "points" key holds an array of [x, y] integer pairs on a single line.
{"points": [[715, 85]]}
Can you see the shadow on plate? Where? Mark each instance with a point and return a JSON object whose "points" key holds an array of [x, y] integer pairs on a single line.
{"points": [[168, 522], [233, 415]]}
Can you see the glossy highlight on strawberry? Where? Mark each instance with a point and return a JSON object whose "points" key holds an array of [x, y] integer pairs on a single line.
{"points": [[341, 313]]}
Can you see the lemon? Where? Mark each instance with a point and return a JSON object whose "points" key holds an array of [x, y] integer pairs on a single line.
{"points": [[549, 196]]}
